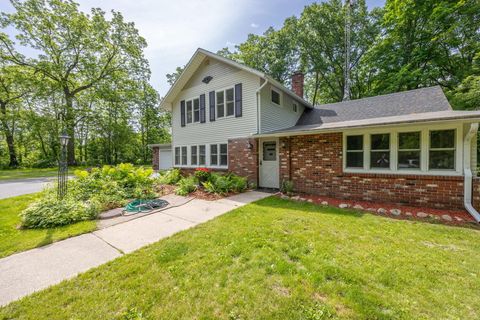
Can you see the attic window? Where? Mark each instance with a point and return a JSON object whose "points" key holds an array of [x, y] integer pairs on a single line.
{"points": [[275, 96]]}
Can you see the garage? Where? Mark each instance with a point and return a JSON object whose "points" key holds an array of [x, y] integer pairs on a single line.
{"points": [[161, 156]]}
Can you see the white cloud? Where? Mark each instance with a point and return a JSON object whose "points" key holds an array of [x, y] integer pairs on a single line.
{"points": [[254, 25]]}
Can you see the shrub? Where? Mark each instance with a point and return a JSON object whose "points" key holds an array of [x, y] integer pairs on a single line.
{"points": [[90, 193], [170, 177], [287, 187], [222, 184], [50, 212], [202, 174], [185, 186]]}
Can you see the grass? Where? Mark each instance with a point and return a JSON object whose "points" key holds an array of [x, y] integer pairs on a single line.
{"points": [[14, 174], [15, 240], [277, 259]]}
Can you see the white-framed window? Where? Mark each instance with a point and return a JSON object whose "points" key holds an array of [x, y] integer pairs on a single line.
{"points": [[295, 107], [275, 96], [380, 151], [223, 154], [193, 155], [225, 102], [441, 153], [435, 149], [214, 155], [409, 150], [354, 151], [184, 156], [202, 155], [193, 110], [177, 156], [219, 155]]}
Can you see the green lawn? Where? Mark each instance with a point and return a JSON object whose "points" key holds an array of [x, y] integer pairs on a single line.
{"points": [[12, 174], [15, 240], [277, 259]]}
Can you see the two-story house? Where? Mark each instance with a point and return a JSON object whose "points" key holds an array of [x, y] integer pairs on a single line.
{"points": [[408, 147]]}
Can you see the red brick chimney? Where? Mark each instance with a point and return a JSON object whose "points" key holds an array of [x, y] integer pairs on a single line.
{"points": [[297, 83]]}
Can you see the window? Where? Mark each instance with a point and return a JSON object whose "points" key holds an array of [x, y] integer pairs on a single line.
{"points": [[184, 156], [225, 103], [196, 110], [269, 151], [193, 110], [380, 150], [193, 155], [275, 96], [355, 151], [442, 150], [409, 150], [295, 107], [201, 156], [177, 156], [213, 155], [189, 111], [223, 155], [230, 102]]}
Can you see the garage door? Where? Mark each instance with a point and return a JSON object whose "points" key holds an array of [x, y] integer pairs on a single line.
{"points": [[165, 159]]}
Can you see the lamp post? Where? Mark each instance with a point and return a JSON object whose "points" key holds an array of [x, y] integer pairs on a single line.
{"points": [[62, 166]]}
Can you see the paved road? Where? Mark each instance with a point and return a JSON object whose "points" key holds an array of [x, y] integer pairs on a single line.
{"points": [[12, 188], [29, 271]]}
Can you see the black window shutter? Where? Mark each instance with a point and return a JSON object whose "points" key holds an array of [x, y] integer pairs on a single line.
{"points": [[238, 100], [211, 100], [182, 113], [202, 108]]}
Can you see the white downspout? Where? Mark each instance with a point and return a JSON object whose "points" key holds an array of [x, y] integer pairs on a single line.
{"points": [[259, 102], [467, 194]]}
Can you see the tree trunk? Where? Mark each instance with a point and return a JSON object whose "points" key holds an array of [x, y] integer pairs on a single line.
{"points": [[70, 128], [8, 137]]}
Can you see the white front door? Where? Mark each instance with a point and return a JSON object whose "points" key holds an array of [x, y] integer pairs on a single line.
{"points": [[268, 161]]}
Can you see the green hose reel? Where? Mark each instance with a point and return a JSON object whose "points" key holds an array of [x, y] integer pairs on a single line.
{"points": [[140, 206]]}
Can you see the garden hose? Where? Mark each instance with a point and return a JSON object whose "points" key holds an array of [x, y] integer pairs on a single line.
{"points": [[138, 206]]}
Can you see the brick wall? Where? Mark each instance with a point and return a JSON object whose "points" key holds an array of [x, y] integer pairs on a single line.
{"points": [[314, 164], [242, 160], [155, 157]]}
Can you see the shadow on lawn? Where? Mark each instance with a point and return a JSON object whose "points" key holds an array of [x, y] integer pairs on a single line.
{"points": [[48, 239]]}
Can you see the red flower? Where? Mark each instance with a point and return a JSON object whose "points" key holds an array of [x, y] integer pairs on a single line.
{"points": [[202, 169]]}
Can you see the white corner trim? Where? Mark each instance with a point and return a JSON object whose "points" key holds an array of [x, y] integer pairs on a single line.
{"points": [[467, 194]]}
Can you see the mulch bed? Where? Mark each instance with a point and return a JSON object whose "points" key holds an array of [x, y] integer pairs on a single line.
{"points": [[198, 194], [455, 217]]}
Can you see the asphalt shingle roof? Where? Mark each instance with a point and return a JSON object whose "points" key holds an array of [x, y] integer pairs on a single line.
{"points": [[416, 101]]}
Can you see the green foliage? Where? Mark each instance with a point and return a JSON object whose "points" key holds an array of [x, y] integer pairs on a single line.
{"points": [[202, 174], [223, 184], [287, 186], [170, 177], [50, 212], [89, 194], [186, 186]]}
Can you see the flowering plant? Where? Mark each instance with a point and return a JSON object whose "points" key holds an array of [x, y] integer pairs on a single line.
{"points": [[202, 174]]}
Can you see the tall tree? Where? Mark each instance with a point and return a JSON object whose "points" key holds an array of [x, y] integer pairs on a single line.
{"points": [[426, 43], [77, 51], [14, 86]]}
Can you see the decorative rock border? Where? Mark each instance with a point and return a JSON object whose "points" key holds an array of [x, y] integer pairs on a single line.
{"points": [[388, 209]]}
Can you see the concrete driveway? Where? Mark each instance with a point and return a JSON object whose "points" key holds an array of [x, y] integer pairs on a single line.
{"points": [[12, 188], [29, 271]]}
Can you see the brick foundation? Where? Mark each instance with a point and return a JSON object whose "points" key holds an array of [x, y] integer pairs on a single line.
{"points": [[243, 160], [155, 157], [314, 164]]}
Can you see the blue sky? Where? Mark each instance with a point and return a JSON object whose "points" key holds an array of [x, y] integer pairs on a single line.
{"points": [[174, 29]]}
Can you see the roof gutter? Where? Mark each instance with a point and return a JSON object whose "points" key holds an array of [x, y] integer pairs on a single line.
{"points": [[467, 194]]}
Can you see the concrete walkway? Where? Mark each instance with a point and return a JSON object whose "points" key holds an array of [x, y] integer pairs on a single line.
{"points": [[26, 272]]}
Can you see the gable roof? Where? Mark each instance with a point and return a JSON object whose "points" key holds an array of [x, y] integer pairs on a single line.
{"points": [[419, 105], [196, 60]]}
